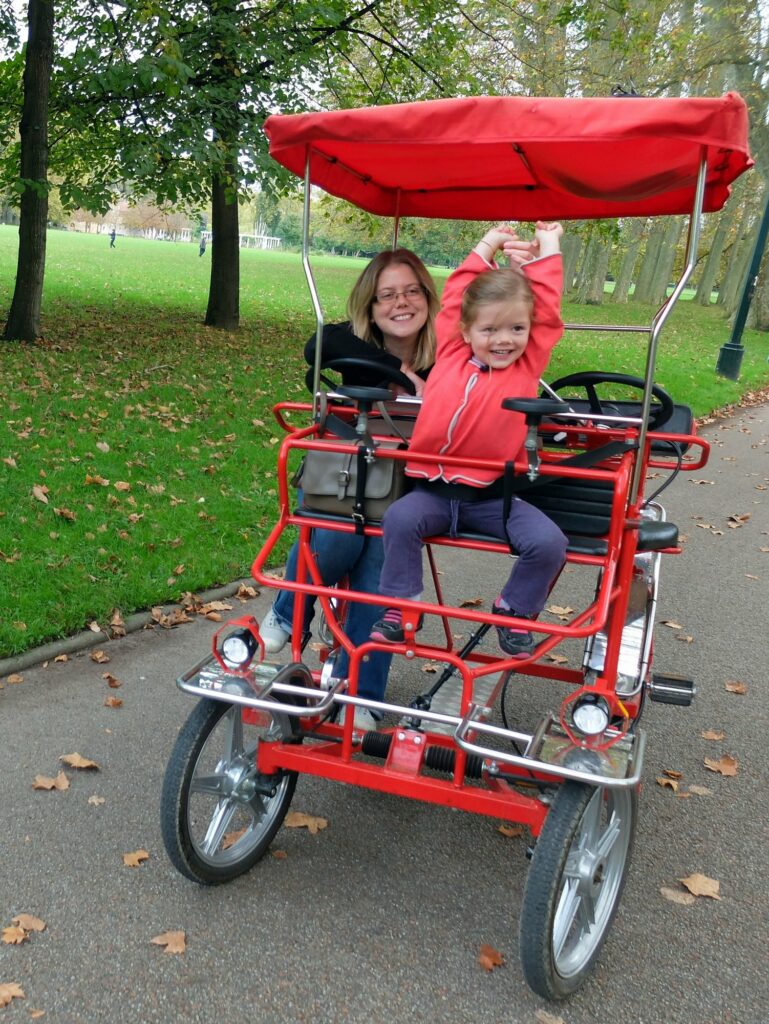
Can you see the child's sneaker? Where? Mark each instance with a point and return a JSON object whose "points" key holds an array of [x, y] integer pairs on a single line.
{"points": [[518, 643], [389, 629], [274, 635]]}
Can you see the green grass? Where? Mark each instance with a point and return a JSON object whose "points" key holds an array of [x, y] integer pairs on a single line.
{"points": [[128, 386]]}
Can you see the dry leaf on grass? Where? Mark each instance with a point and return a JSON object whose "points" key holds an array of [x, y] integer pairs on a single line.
{"points": [[175, 942], [298, 819], [135, 859], [61, 782], [489, 958], [10, 990], [676, 896], [78, 761], [726, 765], [701, 885]]}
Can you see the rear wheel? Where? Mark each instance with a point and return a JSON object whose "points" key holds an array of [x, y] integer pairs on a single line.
{"points": [[574, 885], [218, 814]]}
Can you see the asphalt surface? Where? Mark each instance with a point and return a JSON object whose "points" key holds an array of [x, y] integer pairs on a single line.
{"points": [[380, 917]]}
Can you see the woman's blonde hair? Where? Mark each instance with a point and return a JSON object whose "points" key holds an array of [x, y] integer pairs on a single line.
{"points": [[502, 285], [362, 298]]}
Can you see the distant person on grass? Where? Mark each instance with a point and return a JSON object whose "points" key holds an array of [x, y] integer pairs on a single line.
{"points": [[202, 248], [112, 239]]}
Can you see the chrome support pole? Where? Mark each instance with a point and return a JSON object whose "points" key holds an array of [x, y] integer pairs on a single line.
{"points": [[311, 285], [661, 316]]}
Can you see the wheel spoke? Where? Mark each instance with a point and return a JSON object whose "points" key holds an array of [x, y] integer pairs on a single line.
{"points": [[609, 838], [568, 908], [218, 826], [211, 784], [233, 734], [590, 828], [258, 806]]}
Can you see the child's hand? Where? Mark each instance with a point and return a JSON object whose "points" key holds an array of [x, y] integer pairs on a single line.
{"points": [[495, 240], [547, 237], [519, 251]]}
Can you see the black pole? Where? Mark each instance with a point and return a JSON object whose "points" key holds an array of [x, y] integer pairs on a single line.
{"points": [[730, 356]]}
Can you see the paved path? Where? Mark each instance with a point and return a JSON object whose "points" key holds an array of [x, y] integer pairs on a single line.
{"points": [[380, 917]]}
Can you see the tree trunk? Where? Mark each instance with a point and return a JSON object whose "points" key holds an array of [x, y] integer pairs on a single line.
{"points": [[646, 274], [634, 235], [758, 315], [224, 291], [593, 272], [571, 246], [663, 269], [713, 262], [739, 260], [24, 316]]}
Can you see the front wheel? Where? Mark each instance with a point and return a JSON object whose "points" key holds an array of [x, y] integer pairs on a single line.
{"points": [[574, 885], [218, 814]]}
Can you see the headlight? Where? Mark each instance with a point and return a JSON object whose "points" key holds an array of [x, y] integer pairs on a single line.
{"points": [[239, 648], [590, 715]]}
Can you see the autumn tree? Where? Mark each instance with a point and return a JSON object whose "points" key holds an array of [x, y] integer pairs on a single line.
{"points": [[24, 317]]}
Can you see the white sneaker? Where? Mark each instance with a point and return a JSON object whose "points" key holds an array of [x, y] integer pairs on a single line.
{"points": [[274, 635], [364, 720]]}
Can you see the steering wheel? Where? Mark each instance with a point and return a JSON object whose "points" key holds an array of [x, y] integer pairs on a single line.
{"points": [[660, 411], [368, 368]]}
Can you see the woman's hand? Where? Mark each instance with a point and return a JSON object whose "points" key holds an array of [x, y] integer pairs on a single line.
{"points": [[415, 379]]}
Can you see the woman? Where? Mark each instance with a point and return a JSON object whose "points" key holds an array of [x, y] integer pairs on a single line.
{"points": [[391, 310]]}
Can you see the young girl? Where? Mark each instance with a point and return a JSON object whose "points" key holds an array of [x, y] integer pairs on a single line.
{"points": [[496, 330]]}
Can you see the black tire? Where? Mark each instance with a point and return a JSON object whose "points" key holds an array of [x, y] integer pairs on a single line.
{"points": [[573, 888], [215, 821]]}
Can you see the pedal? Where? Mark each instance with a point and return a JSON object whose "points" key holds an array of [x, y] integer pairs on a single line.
{"points": [[669, 689]]}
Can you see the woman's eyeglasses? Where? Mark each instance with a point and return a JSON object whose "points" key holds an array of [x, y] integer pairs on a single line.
{"points": [[390, 295]]}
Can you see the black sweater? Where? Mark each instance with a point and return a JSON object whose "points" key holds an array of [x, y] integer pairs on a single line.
{"points": [[339, 342]]}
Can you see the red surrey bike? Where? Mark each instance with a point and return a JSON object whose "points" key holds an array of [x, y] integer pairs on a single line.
{"points": [[593, 438]]}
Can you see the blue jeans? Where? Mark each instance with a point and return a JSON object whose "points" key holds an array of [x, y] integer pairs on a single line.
{"points": [[360, 559]]}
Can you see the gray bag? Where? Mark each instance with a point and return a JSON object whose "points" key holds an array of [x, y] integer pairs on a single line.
{"points": [[329, 481]]}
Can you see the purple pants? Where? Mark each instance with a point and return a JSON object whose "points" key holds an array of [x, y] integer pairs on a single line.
{"points": [[540, 544]]}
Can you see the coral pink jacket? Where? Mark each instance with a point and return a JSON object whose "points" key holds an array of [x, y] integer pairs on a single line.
{"points": [[462, 412]]}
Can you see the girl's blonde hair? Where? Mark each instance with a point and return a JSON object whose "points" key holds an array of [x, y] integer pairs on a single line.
{"points": [[502, 285], [362, 298]]}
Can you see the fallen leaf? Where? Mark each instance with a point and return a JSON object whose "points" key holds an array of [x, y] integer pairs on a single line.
{"points": [[78, 761], [712, 734], [298, 819], [40, 491], [489, 958], [559, 659], [175, 942], [246, 593], [676, 896], [230, 838], [685, 639], [701, 885], [543, 1017], [34, 1014], [672, 625], [45, 782], [473, 602], [10, 990], [121, 485], [112, 681], [726, 765], [667, 783], [102, 446], [134, 860], [556, 609], [65, 513], [94, 627], [96, 480], [511, 831], [672, 773], [700, 790], [113, 702], [16, 677], [117, 626], [60, 659], [279, 854], [734, 686], [96, 800], [29, 922], [100, 657], [14, 936]]}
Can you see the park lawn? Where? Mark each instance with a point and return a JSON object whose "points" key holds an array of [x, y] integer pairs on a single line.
{"points": [[137, 448]]}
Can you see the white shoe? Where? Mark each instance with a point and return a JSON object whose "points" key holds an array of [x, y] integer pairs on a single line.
{"points": [[274, 635], [364, 721]]}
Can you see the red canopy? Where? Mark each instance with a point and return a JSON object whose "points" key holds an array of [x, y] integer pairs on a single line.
{"points": [[520, 158]]}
